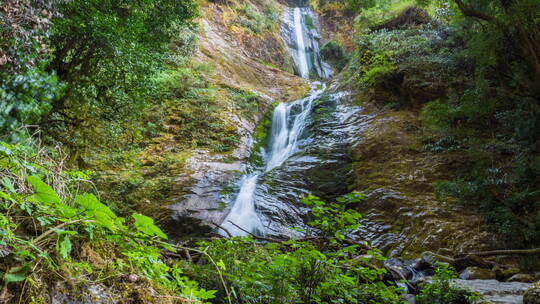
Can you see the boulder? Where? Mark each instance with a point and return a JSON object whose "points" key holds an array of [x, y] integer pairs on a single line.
{"points": [[522, 277], [532, 295], [496, 292], [477, 273]]}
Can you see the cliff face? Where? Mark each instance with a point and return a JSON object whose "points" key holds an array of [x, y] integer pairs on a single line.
{"points": [[241, 40], [402, 214]]}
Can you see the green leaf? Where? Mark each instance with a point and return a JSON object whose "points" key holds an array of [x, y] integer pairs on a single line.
{"points": [[146, 225], [43, 192], [97, 211], [8, 184], [64, 246], [221, 265], [16, 274]]}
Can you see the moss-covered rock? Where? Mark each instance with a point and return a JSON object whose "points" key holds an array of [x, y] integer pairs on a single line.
{"points": [[532, 295]]}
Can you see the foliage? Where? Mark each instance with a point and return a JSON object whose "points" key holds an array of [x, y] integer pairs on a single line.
{"points": [[255, 21], [297, 271], [333, 53], [441, 290], [493, 118], [334, 219], [472, 58], [26, 89], [193, 112], [35, 189], [107, 52]]}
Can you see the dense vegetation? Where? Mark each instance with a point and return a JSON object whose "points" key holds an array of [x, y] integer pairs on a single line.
{"points": [[472, 68]]}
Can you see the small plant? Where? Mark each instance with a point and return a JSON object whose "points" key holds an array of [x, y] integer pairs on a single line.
{"points": [[35, 189], [442, 291], [333, 53], [334, 219]]}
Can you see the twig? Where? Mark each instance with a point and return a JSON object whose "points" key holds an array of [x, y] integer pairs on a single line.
{"points": [[506, 252], [262, 238], [222, 228], [35, 241]]}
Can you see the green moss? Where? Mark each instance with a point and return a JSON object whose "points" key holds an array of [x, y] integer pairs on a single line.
{"points": [[260, 136], [308, 20]]}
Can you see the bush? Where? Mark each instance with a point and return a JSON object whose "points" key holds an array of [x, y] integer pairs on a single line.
{"points": [[441, 290], [48, 216], [297, 271], [257, 23], [333, 53]]}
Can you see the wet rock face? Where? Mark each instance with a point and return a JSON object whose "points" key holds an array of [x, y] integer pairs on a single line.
{"points": [[496, 292], [203, 206], [321, 167], [402, 216]]}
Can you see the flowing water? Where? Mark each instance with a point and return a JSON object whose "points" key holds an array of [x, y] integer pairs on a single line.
{"points": [[265, 203], [303, 68]]}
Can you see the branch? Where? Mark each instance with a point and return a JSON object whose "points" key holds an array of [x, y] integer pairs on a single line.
{"points": [[222, 228], [470, 12], [256, 236], [506, 252]]}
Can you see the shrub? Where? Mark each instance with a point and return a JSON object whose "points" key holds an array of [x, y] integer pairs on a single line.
{"points": [[297, 271], [333, 53], [47, 217], [441, 290]]}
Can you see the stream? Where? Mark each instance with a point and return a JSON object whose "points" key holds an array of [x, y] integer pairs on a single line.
{"points": [[268, 195]]}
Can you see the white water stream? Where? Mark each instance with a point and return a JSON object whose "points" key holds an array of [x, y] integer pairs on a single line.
{"points": [[288, 123], [303, 68]]}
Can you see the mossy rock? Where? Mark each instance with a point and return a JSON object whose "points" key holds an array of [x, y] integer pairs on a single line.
{"points": [[532, 295]]}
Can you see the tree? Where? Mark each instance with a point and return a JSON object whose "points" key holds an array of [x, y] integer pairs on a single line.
{"points": [[106, 52], [518, 21]]}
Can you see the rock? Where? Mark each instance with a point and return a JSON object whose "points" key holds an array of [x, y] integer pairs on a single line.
{"points": [[496, 292], [372, 261], [409, 298], [397, 269], [522, 277], [476, 273], [418, 264], [532, 295], [505, 273]]}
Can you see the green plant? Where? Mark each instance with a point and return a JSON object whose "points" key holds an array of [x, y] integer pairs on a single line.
{"points": [[65, 218], [334, 219], [297, 271], [107, 53], [256, 22], [333, 53], [442, 291]]}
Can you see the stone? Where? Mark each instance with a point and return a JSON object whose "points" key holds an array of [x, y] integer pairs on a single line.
{"points": [[532, 295], [496, 292], [505, 273], [477, 273], [409, 298], [522, 277]]}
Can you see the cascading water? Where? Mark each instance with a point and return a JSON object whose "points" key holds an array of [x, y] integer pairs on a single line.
{"points": [[303, 42], [303, 68], [288, 123]]}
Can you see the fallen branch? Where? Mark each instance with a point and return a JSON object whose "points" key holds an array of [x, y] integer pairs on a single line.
{"points": [[262, 238], [505, 252], [222, 228]]}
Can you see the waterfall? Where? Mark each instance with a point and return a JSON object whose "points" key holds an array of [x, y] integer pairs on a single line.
{"points": [[302, 39], [303, 67], [288, 123]]}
